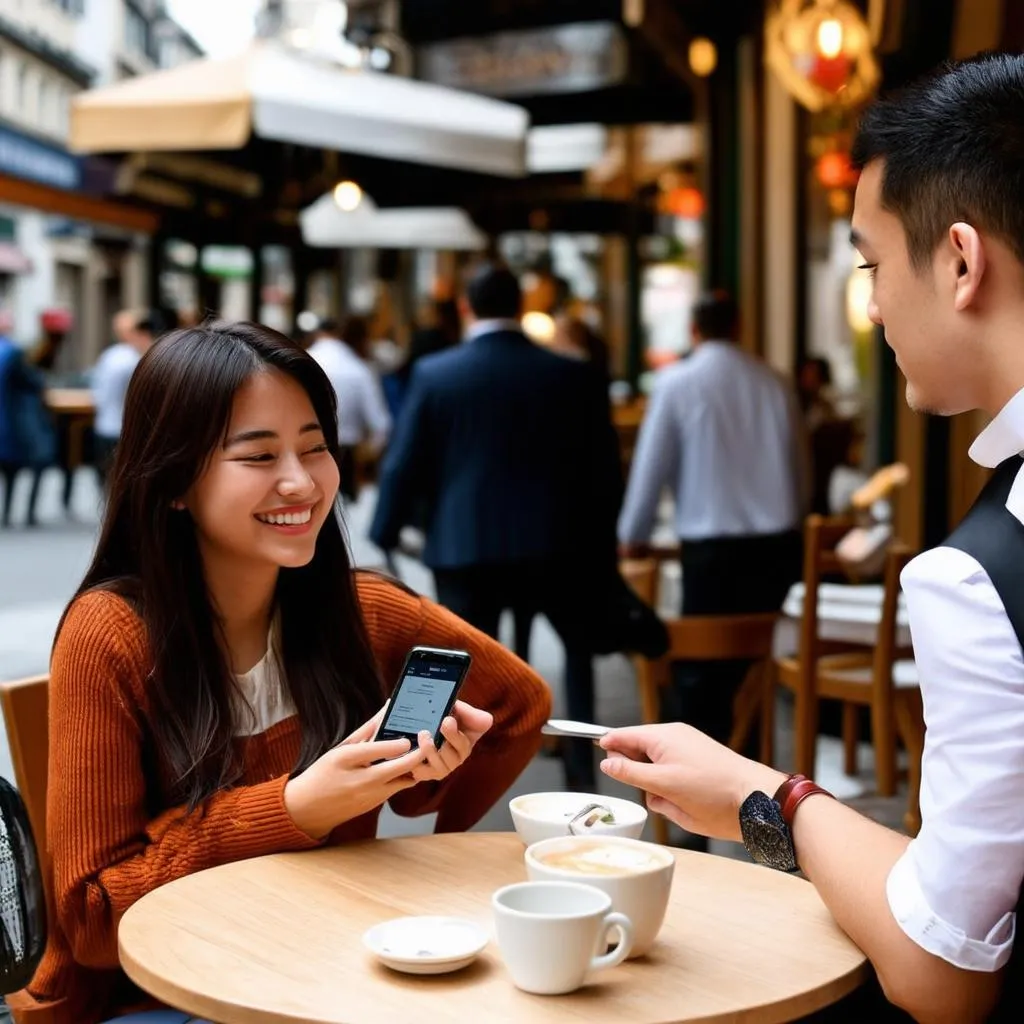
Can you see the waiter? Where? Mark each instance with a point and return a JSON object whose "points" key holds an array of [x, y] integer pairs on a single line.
{"points": [[939, 221]]}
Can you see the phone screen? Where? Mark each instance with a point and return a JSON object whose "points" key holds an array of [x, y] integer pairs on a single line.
{"points": [[425, 693]]}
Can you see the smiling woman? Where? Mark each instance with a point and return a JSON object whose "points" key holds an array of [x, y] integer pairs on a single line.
{"points": [[218, 679]]}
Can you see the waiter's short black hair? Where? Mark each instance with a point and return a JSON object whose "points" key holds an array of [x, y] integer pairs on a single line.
{"points": [[953, 149], [493, 293], [715, 316]]}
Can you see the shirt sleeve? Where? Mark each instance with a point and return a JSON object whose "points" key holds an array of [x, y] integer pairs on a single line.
{"points": [[655, 464], [955, 889]]}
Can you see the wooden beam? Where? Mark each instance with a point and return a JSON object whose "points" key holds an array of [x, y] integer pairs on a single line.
{"points": [[77, 206]]}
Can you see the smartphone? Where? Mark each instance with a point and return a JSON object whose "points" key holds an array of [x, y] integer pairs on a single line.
{"points": [[426, 690]]}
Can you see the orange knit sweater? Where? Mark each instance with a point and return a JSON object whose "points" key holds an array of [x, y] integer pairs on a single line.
{"points": [[112, 835]]}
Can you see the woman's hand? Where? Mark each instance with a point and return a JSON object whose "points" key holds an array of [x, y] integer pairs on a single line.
{"points": [[346, 782], [460, 730]]}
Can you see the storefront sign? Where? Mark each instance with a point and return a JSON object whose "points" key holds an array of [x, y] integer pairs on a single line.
{"points": [[26, 158], [565, 59]]}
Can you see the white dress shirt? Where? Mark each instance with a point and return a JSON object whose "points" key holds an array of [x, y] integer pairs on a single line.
{"points": [[722, 430], [362, 412], [109, 384], [955, 889]]}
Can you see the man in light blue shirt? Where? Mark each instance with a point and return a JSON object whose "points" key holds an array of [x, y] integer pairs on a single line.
{"points": [[722, 430]]}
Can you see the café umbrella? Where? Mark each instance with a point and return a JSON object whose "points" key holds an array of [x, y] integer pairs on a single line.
{"points": [[283, 95]]}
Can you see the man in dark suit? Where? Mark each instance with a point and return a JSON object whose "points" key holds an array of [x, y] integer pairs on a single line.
{"points": [[511, 450]]}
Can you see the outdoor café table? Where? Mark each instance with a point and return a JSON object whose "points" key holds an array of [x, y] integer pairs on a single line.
{"points": [[848, 612], [75, 407], [279, 939]]}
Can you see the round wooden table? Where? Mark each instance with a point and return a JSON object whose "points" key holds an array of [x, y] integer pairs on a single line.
{"points": [[279, 939]]}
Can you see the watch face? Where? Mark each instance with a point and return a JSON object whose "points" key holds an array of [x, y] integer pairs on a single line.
{"points": [[765, 834]]}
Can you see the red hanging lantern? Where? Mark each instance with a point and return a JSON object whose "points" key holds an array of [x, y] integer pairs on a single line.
{"points": [[686, 202], [835, 170], [830, 73]]}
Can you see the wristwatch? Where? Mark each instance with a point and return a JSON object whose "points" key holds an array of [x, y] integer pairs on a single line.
{"points": [[766, 822]]}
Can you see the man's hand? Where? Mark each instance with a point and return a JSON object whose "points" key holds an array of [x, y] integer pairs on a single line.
{"points": [[688, 777]]}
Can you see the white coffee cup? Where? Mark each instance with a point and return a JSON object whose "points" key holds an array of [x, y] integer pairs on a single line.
{"points": [[538, 816], [550, 934], [636, 875]]}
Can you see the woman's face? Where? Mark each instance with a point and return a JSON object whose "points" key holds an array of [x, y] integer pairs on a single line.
{"points": [[270, 486]]}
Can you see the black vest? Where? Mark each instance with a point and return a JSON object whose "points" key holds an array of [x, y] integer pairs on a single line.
{"points": [[995, 538]]}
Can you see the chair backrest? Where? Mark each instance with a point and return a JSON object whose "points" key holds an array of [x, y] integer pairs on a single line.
{"points": [[714, 638], [821, 535], [26, 707]]}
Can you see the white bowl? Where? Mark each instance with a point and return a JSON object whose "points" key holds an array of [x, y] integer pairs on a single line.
{"points": [[538, 816], [426, 945]]}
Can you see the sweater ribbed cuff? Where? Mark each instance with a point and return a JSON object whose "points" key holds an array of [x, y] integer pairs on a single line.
{"points": [[262, 824]]}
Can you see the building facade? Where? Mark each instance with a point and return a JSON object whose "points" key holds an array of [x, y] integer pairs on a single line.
{"points": [[60, 247]]}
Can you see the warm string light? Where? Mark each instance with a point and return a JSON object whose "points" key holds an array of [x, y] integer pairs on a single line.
{"points": [[348, 195], [703, 56], [539, 326]]}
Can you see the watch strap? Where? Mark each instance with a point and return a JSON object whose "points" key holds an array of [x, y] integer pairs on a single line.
{"points": [[793, 792]]}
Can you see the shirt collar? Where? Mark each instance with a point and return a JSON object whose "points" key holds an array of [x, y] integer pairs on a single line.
{"points": [[492, 327], [1003, 437]]}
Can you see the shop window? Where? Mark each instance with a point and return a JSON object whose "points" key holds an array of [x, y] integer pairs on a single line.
{"points": [[8, 229]]}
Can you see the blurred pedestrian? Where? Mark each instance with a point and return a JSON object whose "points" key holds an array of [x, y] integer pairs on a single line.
{"points": [[440, 328], [134, 333], [576, 339], [27, 438], [363, 417], [512, 451], [722, 429]]}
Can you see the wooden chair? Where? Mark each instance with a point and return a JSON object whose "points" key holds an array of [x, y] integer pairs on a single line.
{"points": [[705, 638], [25, 706], [883, 679]]}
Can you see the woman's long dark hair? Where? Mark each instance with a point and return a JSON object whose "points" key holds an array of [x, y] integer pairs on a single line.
{"points": [[177, 411]]}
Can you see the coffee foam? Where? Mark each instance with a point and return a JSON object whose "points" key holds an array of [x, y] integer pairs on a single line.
{"points": [[597, 858]]}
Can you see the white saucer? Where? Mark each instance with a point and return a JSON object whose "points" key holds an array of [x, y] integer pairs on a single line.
{"points": [[426, 945]]}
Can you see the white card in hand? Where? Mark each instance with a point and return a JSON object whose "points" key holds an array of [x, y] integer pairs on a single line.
{"points": [[581, 730]]}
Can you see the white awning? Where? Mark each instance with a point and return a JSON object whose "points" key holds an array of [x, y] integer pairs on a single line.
{"points": [[287, 96], [326, 226]]}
